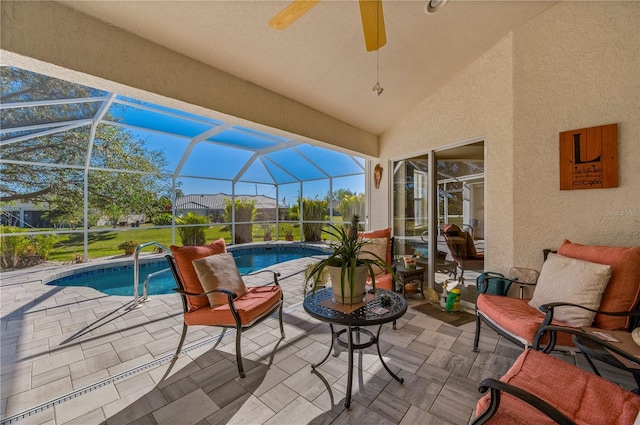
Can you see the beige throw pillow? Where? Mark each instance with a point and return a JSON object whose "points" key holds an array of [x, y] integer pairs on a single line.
{"points": [[377, 246], [219, 271], [565, 279]]}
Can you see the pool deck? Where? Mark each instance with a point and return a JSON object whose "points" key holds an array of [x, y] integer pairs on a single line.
{"points": [[72, 355]]}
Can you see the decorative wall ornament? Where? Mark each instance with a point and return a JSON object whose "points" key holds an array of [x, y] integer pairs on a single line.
{"points": [[589, 158], [377, 176]]}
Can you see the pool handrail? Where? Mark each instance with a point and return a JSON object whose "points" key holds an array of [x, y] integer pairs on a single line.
{"points": [[136, 270]]}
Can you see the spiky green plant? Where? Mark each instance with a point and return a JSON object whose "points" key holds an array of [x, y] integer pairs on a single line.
{"points": [[346, 254]]}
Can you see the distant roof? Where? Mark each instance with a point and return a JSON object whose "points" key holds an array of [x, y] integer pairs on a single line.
{"points": [[218, 201]]}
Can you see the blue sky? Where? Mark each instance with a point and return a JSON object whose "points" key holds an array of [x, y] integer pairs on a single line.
{"points": [[224, 154]]}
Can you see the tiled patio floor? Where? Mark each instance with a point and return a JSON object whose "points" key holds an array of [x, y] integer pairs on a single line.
{"points": [[101, 362]]}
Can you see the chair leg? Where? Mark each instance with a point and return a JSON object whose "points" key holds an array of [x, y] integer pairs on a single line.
{"points": [[238, 351], [476, 338], [175, 356], [281, 325]]}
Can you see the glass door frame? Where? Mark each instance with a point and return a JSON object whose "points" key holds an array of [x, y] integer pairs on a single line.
{"points": [[432, 195]]}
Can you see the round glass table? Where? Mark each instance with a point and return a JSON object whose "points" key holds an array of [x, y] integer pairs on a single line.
{"points": [[372, 313]]}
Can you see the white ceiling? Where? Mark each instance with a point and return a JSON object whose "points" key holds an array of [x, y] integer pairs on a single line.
{"points": [[320, 60]]}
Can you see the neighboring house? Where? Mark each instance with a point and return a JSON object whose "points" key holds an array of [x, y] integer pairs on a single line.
{"points": [[26, 215], [213, 205]]}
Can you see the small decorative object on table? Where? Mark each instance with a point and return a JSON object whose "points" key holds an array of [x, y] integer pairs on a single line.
{"points": [[409, 261], [385, 300]]}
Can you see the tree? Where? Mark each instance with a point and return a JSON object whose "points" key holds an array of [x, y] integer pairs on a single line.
{"points": [[313, 210], [350, 205], [61, 185], [245, 211]]}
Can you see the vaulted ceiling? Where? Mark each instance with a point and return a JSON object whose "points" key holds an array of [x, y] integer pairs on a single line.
{"points": [[320, 60]]}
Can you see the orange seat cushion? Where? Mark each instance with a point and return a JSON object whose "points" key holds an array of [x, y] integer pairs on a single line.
{"points": [[383, 281], [252, 305], [184, 256], [623, 290], [582, 396], [517, 317]]}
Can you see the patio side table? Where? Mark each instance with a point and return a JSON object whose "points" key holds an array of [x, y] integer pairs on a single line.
{"points": [[411, 275], [367, 315], [591, 350]]}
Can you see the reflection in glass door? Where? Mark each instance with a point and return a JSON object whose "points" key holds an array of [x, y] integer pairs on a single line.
{"points": [[458, 177], [410, 205]]}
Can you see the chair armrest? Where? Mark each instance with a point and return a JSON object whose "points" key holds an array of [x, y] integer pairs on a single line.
{"points": [[230, 295], [548, 308], [273, 272], [594, 339], [201, 294], [263, 271], [497, 387], [545, 326], [485, 282]]}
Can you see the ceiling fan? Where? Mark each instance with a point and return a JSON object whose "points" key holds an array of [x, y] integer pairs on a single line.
{"points": [[370, 12]]}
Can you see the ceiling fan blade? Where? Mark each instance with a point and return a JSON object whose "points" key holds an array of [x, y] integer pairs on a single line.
{"points": [[291, 13], [373, 24]]}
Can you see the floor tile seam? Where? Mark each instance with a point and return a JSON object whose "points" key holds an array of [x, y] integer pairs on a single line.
{"points": [[119, 376]]}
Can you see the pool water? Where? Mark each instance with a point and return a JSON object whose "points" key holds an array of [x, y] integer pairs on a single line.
{"points": [[119, 280]]}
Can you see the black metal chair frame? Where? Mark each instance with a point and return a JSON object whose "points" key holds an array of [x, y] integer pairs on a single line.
{"points": [[239, 327], [545, 326], [481, 317], [497, 387]]}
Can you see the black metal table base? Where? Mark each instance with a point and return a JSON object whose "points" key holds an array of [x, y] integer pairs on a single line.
{"points": [[351, 346]]}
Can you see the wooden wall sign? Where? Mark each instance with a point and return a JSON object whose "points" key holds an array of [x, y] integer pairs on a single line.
{"points": [[589, 158]]}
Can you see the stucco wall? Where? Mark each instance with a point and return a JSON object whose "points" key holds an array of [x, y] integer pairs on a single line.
{"points": [[475, 105], [576, 65], [88, 51]]}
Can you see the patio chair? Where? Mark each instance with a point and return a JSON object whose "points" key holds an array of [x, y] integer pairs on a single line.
{"points": [[381, 245], [541, 389], [213, 294], [463, 249], [572, 294]]}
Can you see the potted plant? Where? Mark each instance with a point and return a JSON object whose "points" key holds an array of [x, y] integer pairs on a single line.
{"points": [[128, 246], [267, 229], [348, 272], [288, 233]]}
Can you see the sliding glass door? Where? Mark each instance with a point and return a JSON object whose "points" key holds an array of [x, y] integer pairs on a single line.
{"points": [[430, 191], [410, 205]]}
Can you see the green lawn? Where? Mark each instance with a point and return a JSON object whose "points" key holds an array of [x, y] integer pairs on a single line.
{"points": [[103, 244]]}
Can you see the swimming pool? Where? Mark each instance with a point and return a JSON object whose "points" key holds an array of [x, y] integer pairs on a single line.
{"points": [[118, 280]]}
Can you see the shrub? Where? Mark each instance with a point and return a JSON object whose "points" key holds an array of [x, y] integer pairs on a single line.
{"points": [[163, 219], [45, 244], [13, 247], [245, 212], [313, 210], [195, 235]]}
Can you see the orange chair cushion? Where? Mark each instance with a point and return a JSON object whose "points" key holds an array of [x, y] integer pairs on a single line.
{"points": [[582, 396], [382, 233], [517, 317], [383, 281], [623, 291], [252, 305], [184, 256]]}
